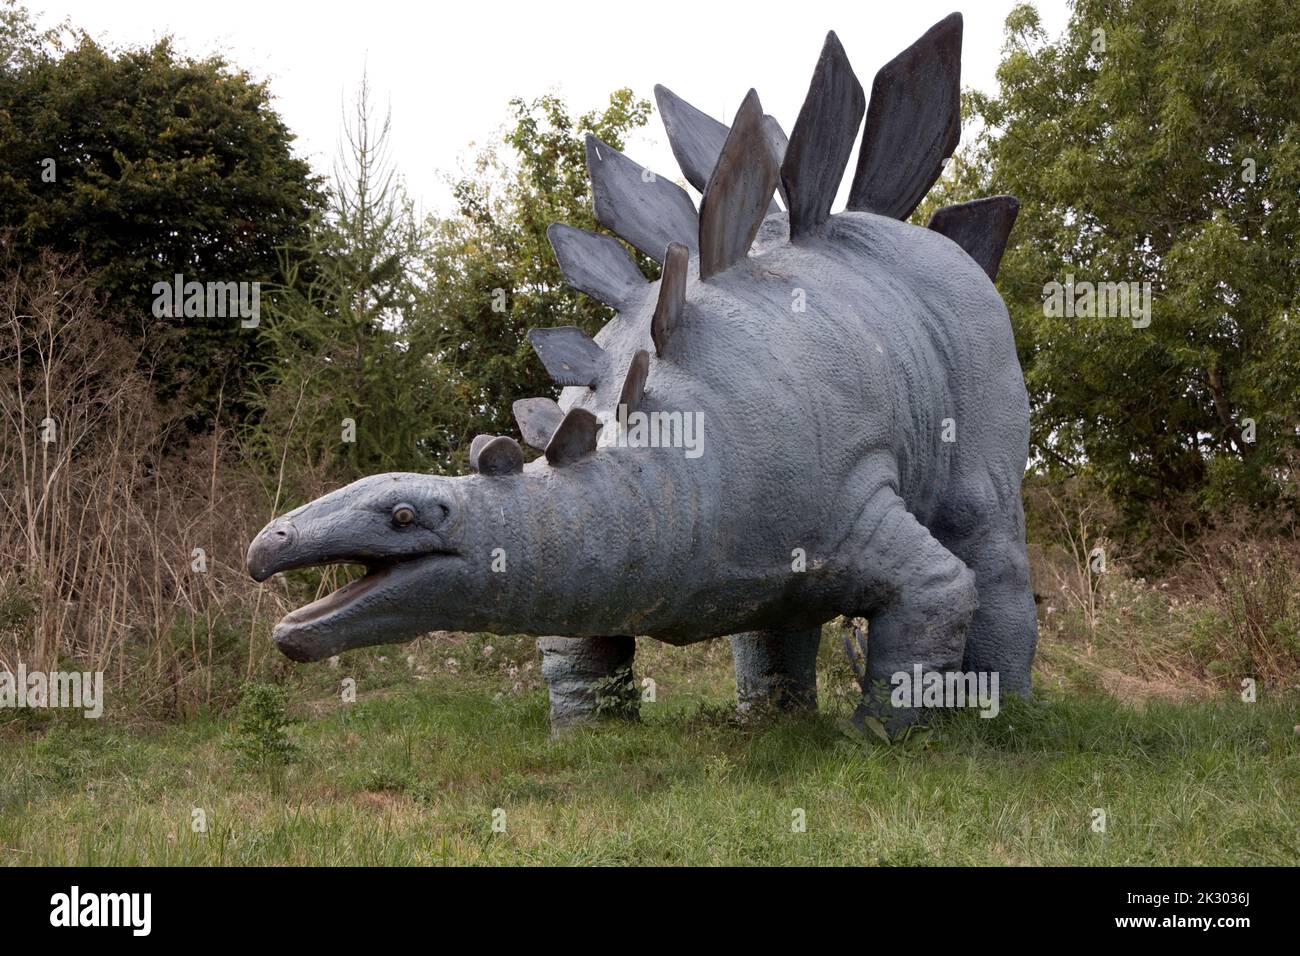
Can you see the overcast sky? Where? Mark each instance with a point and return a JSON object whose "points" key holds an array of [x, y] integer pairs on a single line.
{"points": [[448, 69]]}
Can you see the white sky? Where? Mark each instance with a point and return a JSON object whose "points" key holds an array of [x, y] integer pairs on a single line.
{"points": [[448, 70]]}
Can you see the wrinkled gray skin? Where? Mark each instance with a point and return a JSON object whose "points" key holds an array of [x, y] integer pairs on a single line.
{"points": [[823, 431]]}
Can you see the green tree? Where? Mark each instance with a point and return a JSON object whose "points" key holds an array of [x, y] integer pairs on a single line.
{"points": [[492, 274], [349, 389], [20, 41], [149, 164], [1155, 141]]}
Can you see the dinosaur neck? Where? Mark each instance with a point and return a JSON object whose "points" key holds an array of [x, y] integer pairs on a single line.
{"points": [[597, 547]]}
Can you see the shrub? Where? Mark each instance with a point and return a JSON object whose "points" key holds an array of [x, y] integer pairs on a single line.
{"points": [[261, 736]]}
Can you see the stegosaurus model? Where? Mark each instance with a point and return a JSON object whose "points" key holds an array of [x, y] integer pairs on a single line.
{"points": [[862, 425]]}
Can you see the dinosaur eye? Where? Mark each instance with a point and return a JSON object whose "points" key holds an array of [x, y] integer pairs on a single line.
{"points": [[403, 515]]}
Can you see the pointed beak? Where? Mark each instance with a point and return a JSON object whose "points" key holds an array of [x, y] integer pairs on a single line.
{"points": [[271, 550]]}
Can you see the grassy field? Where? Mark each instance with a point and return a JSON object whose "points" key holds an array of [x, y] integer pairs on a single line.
{"points": [[444, 734]]}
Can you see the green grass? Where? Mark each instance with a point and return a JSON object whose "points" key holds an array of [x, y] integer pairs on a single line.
{"points": [[412, 772]]}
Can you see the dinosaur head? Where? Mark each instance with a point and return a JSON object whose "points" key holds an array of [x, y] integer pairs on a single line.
{"points": [[406, 530]]}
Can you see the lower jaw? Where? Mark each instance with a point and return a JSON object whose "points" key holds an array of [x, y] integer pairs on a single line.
{"points": [[304, 643], [290, 644], [338, 622], [338, 600]]}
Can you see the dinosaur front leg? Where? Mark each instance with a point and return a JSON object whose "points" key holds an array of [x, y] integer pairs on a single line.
{"points": [[919, 600], [581, 673], [776, 669]]}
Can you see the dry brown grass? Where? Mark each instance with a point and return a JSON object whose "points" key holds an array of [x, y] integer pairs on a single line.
{"points": [[121, 544], [1227, 609]]}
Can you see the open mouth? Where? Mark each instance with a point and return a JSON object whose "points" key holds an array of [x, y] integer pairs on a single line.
{"points": [[378, 575], [345, 596]]}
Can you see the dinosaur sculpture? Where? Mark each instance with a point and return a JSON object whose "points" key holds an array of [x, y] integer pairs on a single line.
{"points": [[861, 415]]}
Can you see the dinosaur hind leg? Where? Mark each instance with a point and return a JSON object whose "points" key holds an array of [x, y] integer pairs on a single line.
{"points": [[1003, 634], [776, 669], [918, 598]]}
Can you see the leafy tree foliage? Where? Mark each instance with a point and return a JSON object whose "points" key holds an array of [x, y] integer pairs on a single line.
{"points": [[161, 164], [1156, 141], [20, 41]]}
